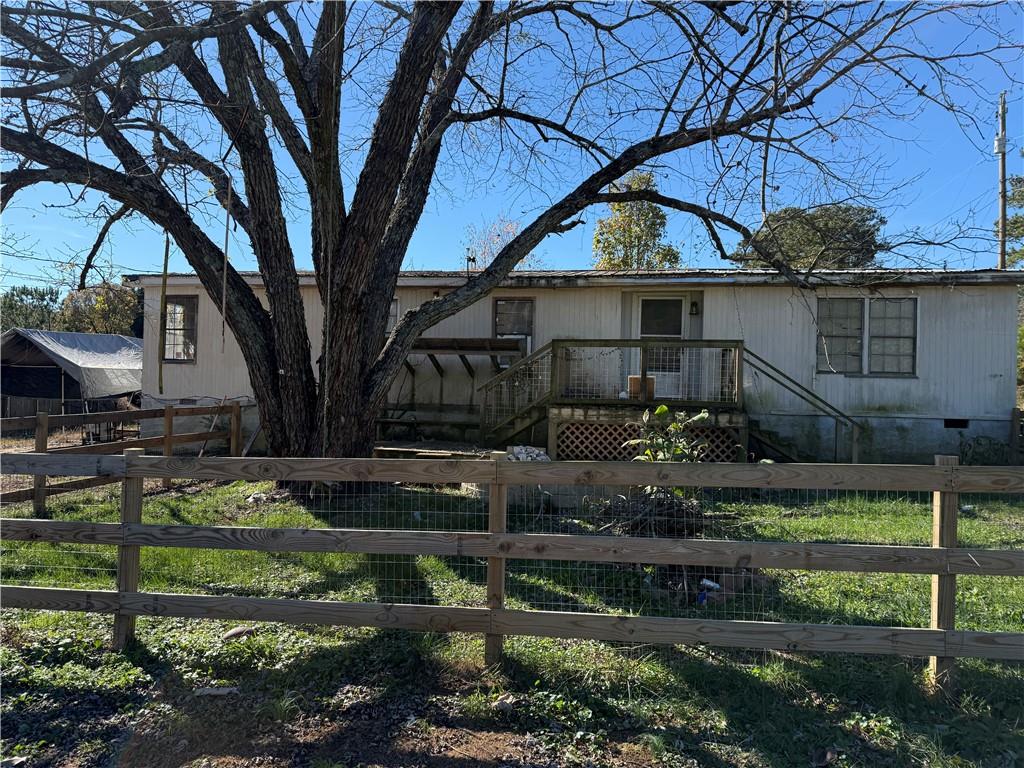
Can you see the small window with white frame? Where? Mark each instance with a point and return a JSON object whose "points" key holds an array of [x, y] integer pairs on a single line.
{"points": [[513, 319], [867, 336], [392, 315], [179, 329]]}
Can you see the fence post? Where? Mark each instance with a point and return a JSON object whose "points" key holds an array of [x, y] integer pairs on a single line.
{"points": [[497, 518], [39, 481], [128, 555], [168, 437], [945, 506], [1015, 446], [235, 447]]}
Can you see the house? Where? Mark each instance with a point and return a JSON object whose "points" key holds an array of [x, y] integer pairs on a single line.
{"points": [[868, 365], [64, 372]]}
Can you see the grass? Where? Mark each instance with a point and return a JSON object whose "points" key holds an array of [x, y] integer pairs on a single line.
{"points": [[301, 689]]}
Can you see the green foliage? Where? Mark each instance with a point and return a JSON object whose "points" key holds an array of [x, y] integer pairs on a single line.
{"points": [[27, 306], [1020, 354], [1014, 223], [632, 237], [830, 237], [103, 308], [665, 436]]}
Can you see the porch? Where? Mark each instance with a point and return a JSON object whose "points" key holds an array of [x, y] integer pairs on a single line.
{"points": [[582, 398]]}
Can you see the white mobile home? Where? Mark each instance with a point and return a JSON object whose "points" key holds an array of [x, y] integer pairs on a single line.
{"points": [[870, 365]]}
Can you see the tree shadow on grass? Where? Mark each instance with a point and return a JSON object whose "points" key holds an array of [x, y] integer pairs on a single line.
{"points": [[384, 506]]}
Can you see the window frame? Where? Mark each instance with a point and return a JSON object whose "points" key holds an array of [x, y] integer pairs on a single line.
{"points": [[505, 361], [186, 300], [866, 336], [395, 305], [529, 337], [684, 318], [819, 336]]}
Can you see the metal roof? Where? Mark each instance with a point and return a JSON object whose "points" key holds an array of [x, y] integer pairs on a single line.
{"points": [[103, 364], [552, 278]]}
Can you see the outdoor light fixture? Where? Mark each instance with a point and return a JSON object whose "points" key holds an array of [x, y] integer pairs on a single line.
{"points": [[694, 308]]}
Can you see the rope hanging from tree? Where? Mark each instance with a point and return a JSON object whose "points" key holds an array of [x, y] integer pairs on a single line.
{"points": [[163, 314]]}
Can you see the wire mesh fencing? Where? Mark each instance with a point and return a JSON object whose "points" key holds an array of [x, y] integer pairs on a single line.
{"points": [[726, 591]]}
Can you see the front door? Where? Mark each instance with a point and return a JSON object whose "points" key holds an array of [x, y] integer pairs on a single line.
{"points": [[664, 318]]}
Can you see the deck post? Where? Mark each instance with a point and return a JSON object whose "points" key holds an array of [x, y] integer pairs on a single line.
{"points": [[644, 347], [39, 481], [556, 370], [128, 555], [497, 521], [235, 446], [945, 506], [738, 393], [168, 437], [855, 444]]}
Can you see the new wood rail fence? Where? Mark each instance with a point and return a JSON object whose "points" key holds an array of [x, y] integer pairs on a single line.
{"points": [[42, 423], [944, 560]]}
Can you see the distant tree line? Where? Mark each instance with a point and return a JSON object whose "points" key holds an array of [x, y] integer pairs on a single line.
{"points": [[103, 308]]}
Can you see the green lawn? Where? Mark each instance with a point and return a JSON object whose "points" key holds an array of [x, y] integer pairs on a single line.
{"points": [[67, 700]]}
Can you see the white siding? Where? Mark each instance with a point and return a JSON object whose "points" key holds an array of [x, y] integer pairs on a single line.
{"points": [[966, 351], [965, 364]]}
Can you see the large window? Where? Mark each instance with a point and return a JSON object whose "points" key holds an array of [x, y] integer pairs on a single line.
{"points": [[513, 319], [179, 324], [892, 329], [876, 336], [840, 335]]}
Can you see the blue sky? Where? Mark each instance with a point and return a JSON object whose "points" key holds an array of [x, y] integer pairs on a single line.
{"points": [[944, 175]]}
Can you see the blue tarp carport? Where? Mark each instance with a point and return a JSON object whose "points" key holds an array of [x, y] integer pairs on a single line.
{"points": [[65, 365]]}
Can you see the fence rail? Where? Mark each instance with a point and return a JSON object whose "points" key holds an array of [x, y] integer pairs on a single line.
{"points": [[42, 423], [944, 560]]}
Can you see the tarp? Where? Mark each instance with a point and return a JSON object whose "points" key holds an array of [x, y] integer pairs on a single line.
{"points": [[101, 364]]}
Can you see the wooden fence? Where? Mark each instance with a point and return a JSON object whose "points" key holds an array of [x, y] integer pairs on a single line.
{"points": [[42, 423], [944, 560]]}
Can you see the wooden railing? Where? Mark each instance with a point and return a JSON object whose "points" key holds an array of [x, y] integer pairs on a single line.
{"points": [[681, 373], [758, 365], [944, 560], [523, 385], [42, 423]]}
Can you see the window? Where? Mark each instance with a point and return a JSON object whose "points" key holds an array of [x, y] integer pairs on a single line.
{"points": [[661, 317], [180, 329], [892, 329], [877, 336], [392, 316], [840, 335], [513, 319]]}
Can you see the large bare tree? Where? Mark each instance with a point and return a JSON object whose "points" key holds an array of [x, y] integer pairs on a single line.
{"points": [[352, 115]]}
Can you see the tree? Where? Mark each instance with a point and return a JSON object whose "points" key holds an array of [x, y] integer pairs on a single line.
{"points": [[831, 237], [485, 242], [632, 237], [192, 113], [26, 306], [1014, 223], [103, 308]]}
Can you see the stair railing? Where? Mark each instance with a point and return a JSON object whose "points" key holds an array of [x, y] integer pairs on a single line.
{"points": [[523, 385], [757, 363]]}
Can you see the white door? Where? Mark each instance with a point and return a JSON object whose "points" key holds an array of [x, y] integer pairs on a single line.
{"points": [[664, 318]]}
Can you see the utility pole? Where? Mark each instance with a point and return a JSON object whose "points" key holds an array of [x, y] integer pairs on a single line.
{"points": [[1000, 150]]}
